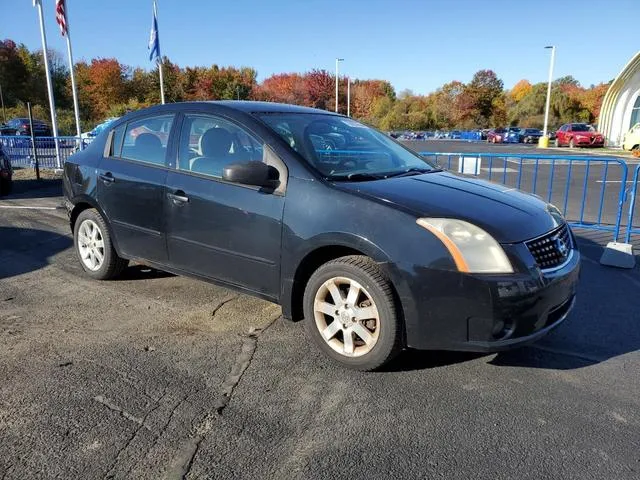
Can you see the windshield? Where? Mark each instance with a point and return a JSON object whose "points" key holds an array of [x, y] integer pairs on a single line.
{"points": [[343, 149], [580, 127]]}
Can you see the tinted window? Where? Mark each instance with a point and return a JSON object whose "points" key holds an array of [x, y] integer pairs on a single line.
{"points": [[116, 140], [580, 127], [209, 143], [146, 140]]}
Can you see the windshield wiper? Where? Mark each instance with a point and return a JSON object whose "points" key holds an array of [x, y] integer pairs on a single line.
{"points": [[414, 171], [358, 177]]}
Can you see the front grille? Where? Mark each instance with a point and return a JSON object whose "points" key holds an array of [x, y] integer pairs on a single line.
{"points": [[552, 249]]}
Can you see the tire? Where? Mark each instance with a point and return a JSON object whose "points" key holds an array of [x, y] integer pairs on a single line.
{"points": [[635, 151], [89, 246], [375, 302], [5, 186], [571, 144]]}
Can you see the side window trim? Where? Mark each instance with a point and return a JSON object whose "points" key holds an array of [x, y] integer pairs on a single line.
{"points": [[111, 152]]}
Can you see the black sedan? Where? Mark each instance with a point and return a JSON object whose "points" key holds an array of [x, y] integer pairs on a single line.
{"points": [[21, 126], [530, 135], [375, 247]]}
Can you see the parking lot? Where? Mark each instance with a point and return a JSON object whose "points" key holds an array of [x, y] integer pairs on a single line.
{"points": [[158, 376]]}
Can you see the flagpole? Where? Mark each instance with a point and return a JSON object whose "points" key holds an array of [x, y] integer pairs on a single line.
{"points": [[52, 104], [155, 12], [74, 89]]}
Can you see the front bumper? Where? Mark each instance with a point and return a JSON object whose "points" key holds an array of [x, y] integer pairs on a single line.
{"points": [[488, 313], [586, 142]]}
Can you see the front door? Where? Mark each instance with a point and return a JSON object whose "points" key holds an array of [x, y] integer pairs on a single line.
{"points": [[217, 229], [131, 185]]}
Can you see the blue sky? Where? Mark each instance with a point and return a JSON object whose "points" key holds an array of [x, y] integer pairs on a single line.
{"points": [[415, 44]]}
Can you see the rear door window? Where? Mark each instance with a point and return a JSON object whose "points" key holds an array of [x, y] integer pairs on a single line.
{"points": [[145, 140]]}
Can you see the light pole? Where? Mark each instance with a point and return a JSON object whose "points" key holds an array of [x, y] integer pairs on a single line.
{"points": [[546, 109], [338, 60]]}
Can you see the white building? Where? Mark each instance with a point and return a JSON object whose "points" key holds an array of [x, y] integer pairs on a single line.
{"points": [[621, 105]]}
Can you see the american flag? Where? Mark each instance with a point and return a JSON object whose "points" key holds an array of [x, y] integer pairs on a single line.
{"points": [[61, 17]]}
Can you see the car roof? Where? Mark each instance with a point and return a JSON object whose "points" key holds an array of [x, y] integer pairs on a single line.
{"points": [[266, 107], [246, 107]]}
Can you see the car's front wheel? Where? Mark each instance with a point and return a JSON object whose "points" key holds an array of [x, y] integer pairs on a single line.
{"points": [[94, 248], [350, 313]]}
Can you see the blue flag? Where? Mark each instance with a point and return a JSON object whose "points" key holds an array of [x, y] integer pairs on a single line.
{"points": [[154, 38]]}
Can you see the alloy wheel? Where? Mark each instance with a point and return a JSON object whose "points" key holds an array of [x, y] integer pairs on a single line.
{"points": [[90, 245], [346, 317]]}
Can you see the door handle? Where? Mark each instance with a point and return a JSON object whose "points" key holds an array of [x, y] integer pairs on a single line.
{"points": [[178, 198], [107, 178]]}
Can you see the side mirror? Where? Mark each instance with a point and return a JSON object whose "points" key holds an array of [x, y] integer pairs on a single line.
{"points": [[258, 174]]}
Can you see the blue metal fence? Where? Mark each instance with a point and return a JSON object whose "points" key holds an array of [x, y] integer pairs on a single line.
{"points": [[471, 135], [20, 150], [590, 191], [632, 193]]}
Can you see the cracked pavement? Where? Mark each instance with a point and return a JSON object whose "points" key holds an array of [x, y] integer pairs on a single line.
{"points": [[157, 376]]}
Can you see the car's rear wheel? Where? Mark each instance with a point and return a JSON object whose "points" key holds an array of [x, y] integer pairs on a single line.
{"points": [[350, 313], [94, 248], [635, 151], [5, 186]]}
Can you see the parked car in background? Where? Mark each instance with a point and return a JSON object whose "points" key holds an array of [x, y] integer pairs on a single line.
{"points": [[512, 135], [496, 135], [98, 129], [529, 135], [578, 135], [551, 134], [6, 130], [631, 140], [240, 194], [6, 173], [22, 127]]}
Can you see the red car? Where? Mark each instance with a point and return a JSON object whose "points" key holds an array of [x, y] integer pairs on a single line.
{"points": [[496, 135], [578, 135]]}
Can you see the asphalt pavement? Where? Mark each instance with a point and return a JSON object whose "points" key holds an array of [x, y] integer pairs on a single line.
{"points": [[157, 376]]}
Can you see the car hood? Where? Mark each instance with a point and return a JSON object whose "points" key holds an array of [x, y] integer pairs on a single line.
{"points": [[508, 215]]}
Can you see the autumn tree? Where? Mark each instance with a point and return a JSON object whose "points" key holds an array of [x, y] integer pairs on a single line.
{"points": [[479, 96], [319, 89], [520, 90]]}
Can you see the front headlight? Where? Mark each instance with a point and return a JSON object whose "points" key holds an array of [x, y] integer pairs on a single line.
{"points": [[473, 250]]}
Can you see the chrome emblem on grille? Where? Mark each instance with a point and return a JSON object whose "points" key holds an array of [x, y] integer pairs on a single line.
{"points": [[562, 246]]}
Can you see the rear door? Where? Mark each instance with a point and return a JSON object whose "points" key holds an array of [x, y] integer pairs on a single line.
{"points": [[131, 186], [218, 229]]}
